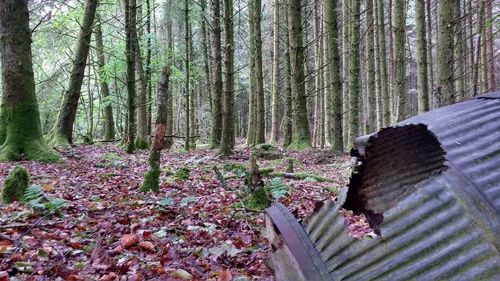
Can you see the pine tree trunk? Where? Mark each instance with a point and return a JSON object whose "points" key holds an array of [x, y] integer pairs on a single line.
{"points": [[275, 130], [399, 26], [216, 132], [423, 91], [131, 40], [445, 52], [335, 89], [489, 40], [62, 133], [187, 145], [346, 50], [459, 53], [287, 120], [148, 65], [227, 140], [260, 136], [354, 83], [430, 65], [169, 130], [371, 124], [206, 53], [301, 136], [109, 125], [20, 128]]}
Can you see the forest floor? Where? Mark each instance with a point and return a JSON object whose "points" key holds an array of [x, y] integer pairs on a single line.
{"points": [[192, 228]]}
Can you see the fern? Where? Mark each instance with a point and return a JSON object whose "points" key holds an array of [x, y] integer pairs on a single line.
{"points": [[36, 199], [278, 188]]}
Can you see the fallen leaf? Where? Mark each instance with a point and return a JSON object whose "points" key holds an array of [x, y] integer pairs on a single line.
{"points": [[225, 276], [4, 276], [147, 246], [109, 277], [129, 240]]}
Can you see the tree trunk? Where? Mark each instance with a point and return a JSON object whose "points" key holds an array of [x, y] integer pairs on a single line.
{"points": [[260, 136], [399, 26], [62, 133], [430, 87], [459, 53], [148, 65], [287, 120], [333, 62], [109, 125], [354, 83], [169, 130], [216, 132], [301, 136], [131, 40], [275, 130], [489, 41], [346, 50], [371, 123], [227, 140], [445, 52], [187, 46], [20, 128], [423, 90], [152, 177]]}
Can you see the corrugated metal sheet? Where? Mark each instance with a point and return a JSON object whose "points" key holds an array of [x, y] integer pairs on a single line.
{"points": [[430, 186]]}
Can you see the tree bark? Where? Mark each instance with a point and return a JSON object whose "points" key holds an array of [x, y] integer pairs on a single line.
{"points": [[354, 83], [423, 90], [335, 89], [216, 132], [62, 133], [187, 78], [152, 177], [131, 40], [301, 136], [445, 52], [275, 130], [227, 140], [109, 125], [260, 136], [169, 130], [20, 128], [371, 108], [399, 26]]}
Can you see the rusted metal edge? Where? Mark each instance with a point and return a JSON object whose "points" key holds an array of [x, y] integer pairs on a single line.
{"points": [[301, 247]]}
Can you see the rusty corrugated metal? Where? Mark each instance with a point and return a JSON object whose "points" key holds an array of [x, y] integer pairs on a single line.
{"points": [[430, 186]]}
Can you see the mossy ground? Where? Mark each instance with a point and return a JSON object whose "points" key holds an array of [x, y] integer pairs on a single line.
{"points": [[15, 185], [300, 144], [152, 177], [35, 150], [182, 174], [258, 200]]}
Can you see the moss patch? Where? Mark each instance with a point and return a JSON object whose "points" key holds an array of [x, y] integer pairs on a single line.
{"points": [[182, 174], [152, 177], [15, 185], [258, 200]]}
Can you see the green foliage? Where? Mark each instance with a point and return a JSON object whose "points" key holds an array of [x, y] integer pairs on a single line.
{"points": [[35, 198], [258, 200], [278, 189], [237, 168], [15, 184], [182, 174]]}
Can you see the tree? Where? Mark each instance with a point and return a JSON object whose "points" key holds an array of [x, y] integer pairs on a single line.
{"points": [[354, 82], [384, 83], [169, 141], [216, 131], [371, 112], [423, 91], [131, 40], [20, 128], [445, 52], [152, 177], [301, 136], [227, 140], [335, 89], [187, 81], [399, 27], [109, 125], [62, 133], [287, 119], [260, 136], [275, 133]]}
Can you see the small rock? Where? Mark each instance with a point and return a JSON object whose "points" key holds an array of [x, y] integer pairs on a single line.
{"points": [[129, 240], [181, 274]]}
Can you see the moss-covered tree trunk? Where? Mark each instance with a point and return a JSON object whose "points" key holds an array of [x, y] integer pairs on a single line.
{"points": [[335, 89], [152, 177], [20, 129], [287, 120], [301, 136], [109, 125], [187, 78], [216, 131], [227, 140], [131, 40], [275, 130], [399, 27], [445, 52], [62, 133], [422, 77]]}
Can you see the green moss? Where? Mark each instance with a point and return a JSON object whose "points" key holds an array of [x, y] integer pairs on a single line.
{"points": [[140, 144], [300, 144], [15, 185], [258, 200], [35, 150], [57, 139], [152, 177], [182, 174]]}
